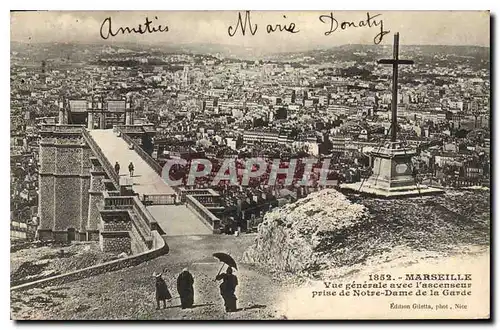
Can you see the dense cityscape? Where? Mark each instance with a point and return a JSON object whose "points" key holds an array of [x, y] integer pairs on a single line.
{"points": [[320, 104]]}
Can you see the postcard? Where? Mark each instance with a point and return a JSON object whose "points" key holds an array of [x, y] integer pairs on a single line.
{"points": [[250, 165]]}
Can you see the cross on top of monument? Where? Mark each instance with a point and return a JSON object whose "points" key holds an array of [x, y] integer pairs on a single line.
{"points": [[395, 61]]}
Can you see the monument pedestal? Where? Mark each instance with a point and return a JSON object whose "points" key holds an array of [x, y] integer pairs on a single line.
{"points": [[392, 174]]}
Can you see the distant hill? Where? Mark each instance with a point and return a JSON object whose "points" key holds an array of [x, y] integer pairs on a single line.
{"points": [[83, 52]]}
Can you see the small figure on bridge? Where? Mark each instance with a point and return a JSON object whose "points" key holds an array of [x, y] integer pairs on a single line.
{"points": [[162, 293], [131, 169], [117, 168], [185, 288]]}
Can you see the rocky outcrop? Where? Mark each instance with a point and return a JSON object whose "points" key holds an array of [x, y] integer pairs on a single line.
{"points": [[328, 232], [297, 237]]}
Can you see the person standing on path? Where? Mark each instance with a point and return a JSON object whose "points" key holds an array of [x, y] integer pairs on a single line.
{"points": [[131, 169], [185, 288], [117, 168], [227, 289], [162, 293]]}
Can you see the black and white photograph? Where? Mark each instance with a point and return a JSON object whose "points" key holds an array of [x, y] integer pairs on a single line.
{"points": [[250, 165]]}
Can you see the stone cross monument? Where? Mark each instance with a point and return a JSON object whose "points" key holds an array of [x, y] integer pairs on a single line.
{"points": [[392, 166], [395, 61]]}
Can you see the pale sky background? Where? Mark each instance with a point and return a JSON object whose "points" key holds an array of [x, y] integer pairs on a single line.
{"points": [[415, 27]]}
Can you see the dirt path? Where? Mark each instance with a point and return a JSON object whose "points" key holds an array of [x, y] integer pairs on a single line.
{"points": [[129, 293]]}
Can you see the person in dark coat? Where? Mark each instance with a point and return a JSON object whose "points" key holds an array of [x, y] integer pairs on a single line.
{"points": [[117, 168], [162, 293], [227, 289], [131, 169], [185, 288]]}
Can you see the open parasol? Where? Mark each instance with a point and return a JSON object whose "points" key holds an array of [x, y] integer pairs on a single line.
{"points": [[225, 259]]}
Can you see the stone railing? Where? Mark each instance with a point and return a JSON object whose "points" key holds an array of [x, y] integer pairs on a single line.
{"points": [[61, 128], [144, 155], [203, 213], [212, 205], [206, 199], [102, 159], [183, 192], [138, 129], [159, 248], [117, 202], [159, 199], [144, 221]]}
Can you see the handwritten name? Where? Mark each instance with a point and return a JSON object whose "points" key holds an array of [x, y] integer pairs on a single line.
{"points": [[242, 26], [245, 26], [107, 29], [368, 22]]}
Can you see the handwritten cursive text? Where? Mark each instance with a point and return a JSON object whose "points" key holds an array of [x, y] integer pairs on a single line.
{"points": [[239, 24], [107, 30], [368, 22], [270, 28]]}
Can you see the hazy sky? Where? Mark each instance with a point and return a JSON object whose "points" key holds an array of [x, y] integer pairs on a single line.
{"points": [[415, 27]]}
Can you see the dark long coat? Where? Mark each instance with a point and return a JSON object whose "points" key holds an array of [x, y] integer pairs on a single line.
{"points": [[185, 288], [162, 292], [227, 289]]}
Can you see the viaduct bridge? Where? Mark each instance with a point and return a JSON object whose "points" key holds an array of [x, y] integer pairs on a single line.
{"points": [[83, 198]]}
